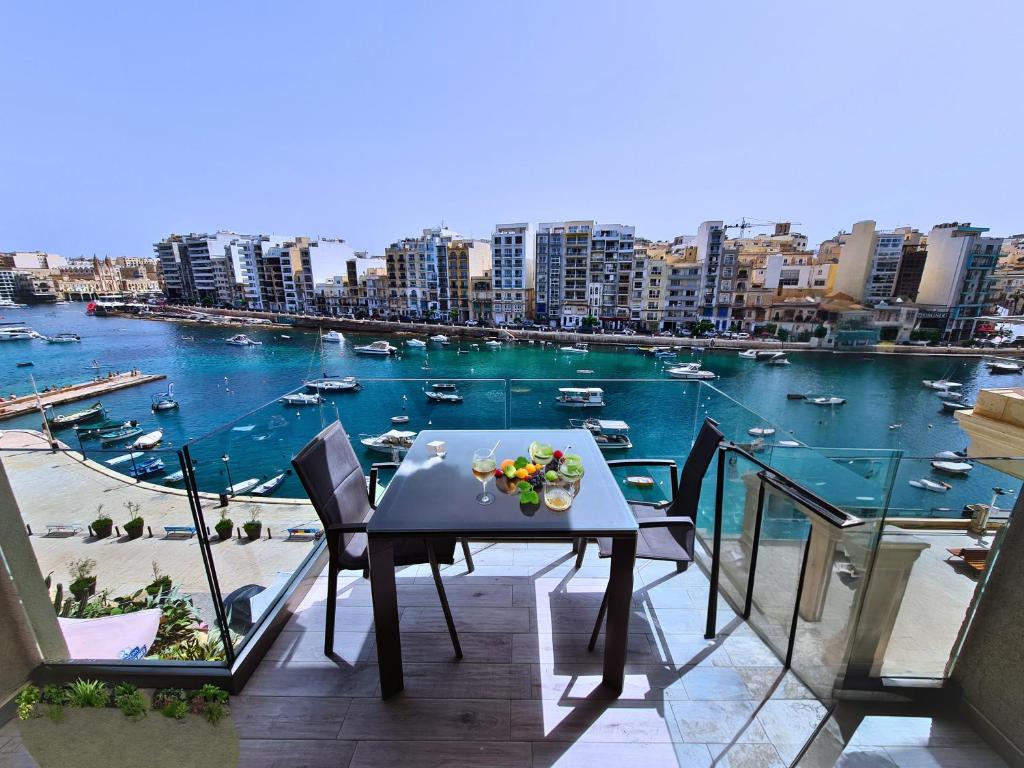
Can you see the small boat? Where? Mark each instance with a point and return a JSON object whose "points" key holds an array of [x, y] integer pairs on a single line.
{"points": [[952, 406], [9, 304], [328, 384], [174, 477], [147, 467], [949, 394], [164, 401], [439, 338], [17, 334], [242, 487], [188, 338], [748, 354], [492, 344], [118, 435], [443, 385], [1003, 366], [399, 419], [788, 444], [608, 434], [381, 348], [95, 430], [953, 467], [25, 364], [577, 349], [640, 481], [389, 442], [580, 397], [950, 456], [941, 384], [269, 486], [149, 440], [302, 398], [285, 336], [444, 397], [697, 350], [689, 371], [78, 417], [795, 396], [826, 400], [766, 354], [780, 360], [63, 338], [583, 370], [417, 343], [761, 431], [771, 357], [333, 337], [241, 340], [665, 354], [123, 458], [930, 485]]}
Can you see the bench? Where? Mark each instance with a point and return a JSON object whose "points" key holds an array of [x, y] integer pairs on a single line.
{"points": [[63, 529], [180, 530], [305, 531]]}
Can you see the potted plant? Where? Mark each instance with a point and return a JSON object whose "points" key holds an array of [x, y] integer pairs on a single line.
{"points": [[83, 581], [133, 528], [102, 525], [253, 528], [224, 526], [161, 582]]}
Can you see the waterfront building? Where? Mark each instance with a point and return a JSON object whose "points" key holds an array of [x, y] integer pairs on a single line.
{"points": [[868, 261], [291, 270], [198, 269], [681, 295], [562, 268], [481, 302], [8, 284], [610, 273], [908, 276], [418, 273], [649, 289], [513, 249], [471, 257], [717, 271], [957, 278]]}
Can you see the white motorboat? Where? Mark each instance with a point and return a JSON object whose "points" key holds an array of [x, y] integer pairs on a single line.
{"points": [[689, 371], [243, 487], [1004, 366], [761, 431], [381, 348], [8, 304], [771, 357], [956, 405], [825, 400], [329, 384], [779, 360], [950, 456], [924, 483], [444, 397], [389, 442], [583, 370], [941, 384], [63, 338], [17, 333], [333, 337], [609, 434], [241, 340], [766, 354], [267, 487], [302, 398], [788, 444], [949, 394], [439, 338], [492, 344], [124, 457], [576, 349], [164, 401], [174, 477], [149, 440], [665, 354], [285, 336], [953, 467], [748, 354], [399, 419], [415, 343], [443, 385], [580, 397]]}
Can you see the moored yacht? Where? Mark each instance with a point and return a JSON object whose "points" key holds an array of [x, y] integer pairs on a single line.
{"points": [[415, 343], [439, 338], [330, 384], [389, 442], [302, 398], [579, 348], [1003, 366], [333, 337], [580, 397], [381, 348], [609, 434], [748, 354], [689, 371], [941, 384], [241, 340]]}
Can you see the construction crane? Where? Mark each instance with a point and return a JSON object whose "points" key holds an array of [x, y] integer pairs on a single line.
{"points": [[746, 224]]}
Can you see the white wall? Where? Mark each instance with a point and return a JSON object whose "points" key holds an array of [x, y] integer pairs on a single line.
{"points": [[855, 256]]}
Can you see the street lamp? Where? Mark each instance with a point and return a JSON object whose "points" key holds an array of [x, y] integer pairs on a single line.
{"points": [[227, 467]]}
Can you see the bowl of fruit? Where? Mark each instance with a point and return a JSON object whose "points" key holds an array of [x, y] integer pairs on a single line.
{"points": [[544, 471]]}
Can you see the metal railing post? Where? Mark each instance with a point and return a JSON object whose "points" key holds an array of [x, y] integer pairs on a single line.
{"points": [[755, 547], [716, 554], [796, 603]]}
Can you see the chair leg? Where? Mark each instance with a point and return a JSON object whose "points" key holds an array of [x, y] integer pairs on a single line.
{"points": [[332, 607], [467, 556], [436, 571], [581, 551], [681, 566], [597, 624]]}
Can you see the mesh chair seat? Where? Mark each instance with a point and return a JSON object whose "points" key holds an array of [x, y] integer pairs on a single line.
{"points": [[668, 542]]}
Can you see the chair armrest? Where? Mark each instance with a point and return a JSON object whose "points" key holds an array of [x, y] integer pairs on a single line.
{"points": [[375, 468], [346, 528], [663, 522], [385, 465], [670, 463]]}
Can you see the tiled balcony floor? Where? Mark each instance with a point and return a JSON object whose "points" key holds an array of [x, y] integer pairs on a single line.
{"points": [[527, 692]]}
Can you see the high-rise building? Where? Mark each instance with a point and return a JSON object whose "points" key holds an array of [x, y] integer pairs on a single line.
{"points": [[868, 261], [611, 269], [957, 277], [717, 272], [562, 265], [513, 249], [908, 277]]}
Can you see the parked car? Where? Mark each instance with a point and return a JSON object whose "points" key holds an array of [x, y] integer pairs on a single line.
{"points": [[666, 334], [742, 335]]}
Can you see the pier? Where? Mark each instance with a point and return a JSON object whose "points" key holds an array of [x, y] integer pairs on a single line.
{"points": [[87, 390]]}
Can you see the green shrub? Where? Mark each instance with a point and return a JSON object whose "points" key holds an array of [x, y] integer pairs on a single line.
{"points": [[176, 709], [167, 696], [88, 693], [54, 694], [213, 693], [214, 712], [55, 713], [26, 701], [131, 703]]}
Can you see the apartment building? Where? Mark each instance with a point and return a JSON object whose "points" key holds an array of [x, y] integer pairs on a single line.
{"points": [[908, 276], [610, 274], [513, 249], [718, 271], [470, 257], [417, 270], [198, 268], [481, 297], [682, 296], [649, 288], [562, 295], [868, 260]]}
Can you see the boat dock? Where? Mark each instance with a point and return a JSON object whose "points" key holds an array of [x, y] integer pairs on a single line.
{"points": [[87, 390]]}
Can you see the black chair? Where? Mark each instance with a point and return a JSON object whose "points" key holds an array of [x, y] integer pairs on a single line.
{"points": [[334, 480], [667, 530]]}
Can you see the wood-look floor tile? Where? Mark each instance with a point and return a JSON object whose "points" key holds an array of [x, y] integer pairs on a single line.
{"points": [[603, 721], [477, 647], [300, 717], [468, 618], [303, 678], [582, 754], [460, 680], [441, 754], [405, 718], [294, 753]]}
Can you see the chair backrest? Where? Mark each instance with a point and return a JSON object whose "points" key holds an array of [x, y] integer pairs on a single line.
{"points": [[333, 478], [696, 466]]}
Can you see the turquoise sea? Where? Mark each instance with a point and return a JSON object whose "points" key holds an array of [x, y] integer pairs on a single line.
{"points": [[232, 393]]}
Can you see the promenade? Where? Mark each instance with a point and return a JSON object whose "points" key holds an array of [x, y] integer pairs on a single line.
{"points": [[20, 405]]}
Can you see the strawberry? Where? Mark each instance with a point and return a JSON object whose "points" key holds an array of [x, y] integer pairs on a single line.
{"points": [[558, 454]]}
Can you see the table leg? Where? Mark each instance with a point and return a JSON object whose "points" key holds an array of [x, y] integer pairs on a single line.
{"points": [[620, 598], [385, 615]]}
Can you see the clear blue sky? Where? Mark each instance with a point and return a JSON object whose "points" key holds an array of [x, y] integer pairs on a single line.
{"points": [[122, 122]]}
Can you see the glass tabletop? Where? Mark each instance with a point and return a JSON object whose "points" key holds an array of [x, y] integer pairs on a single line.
{"points": [[435, 495]]}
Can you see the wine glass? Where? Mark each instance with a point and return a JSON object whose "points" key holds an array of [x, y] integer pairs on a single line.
{"points": [[483, 470]]}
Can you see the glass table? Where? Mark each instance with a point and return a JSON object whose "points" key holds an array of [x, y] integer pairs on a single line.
{"points": [[435, 497]]}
